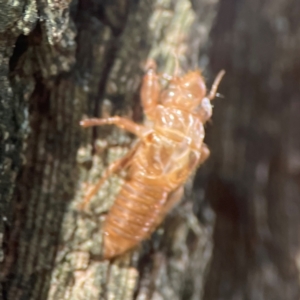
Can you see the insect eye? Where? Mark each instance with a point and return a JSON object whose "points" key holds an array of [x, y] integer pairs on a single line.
{"points": [[205, 103], [206, 109]]}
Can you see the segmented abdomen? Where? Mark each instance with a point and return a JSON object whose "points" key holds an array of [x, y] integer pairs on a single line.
{"points": [[133, 217]]}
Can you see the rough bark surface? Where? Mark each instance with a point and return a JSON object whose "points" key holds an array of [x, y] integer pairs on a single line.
{"points": [[61, 61], [253, 174]]}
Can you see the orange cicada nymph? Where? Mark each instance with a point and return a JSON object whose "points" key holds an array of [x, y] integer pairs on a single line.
{"points": [[169, 149]]}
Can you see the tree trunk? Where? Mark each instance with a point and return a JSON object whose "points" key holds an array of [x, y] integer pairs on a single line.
{"points": [[60, 62], [253, 174]]}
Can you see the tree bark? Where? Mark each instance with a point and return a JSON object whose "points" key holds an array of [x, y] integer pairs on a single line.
{"points": [[61, 61], [253, 174]]}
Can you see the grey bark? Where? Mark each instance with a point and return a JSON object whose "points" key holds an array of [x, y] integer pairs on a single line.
{"points": [[60, 62], [63, 61]]}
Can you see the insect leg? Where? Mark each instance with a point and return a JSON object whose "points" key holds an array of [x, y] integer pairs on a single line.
{"points": [[123, 123], [114, 167], [213, 91], [204, 154], [150, 90], [173, 198]]}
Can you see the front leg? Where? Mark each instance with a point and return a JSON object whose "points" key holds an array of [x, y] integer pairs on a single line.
{"points": [[204, 154], [150, 90], [114, 168], [122, 123]]}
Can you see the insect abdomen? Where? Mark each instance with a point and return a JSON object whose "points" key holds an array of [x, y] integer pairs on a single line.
{"points": [[133, 216]]}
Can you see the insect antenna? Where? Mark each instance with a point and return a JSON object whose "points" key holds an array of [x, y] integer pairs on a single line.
{"points": [[213, 92]]}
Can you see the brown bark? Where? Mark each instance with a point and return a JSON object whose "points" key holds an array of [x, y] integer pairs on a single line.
{"points": [[255, 163], [61, 61]]}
